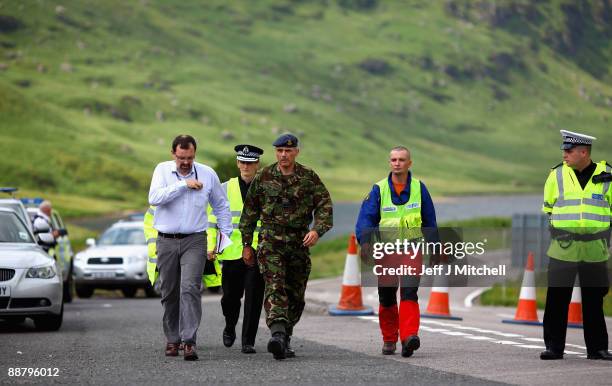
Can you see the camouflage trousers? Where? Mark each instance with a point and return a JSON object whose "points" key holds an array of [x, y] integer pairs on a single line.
{"points": [[285, 268]]}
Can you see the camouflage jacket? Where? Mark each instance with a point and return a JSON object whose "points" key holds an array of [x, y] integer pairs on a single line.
{"points": [[286, 202]]}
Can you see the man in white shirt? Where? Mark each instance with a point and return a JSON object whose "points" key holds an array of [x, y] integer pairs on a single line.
{"points": [[181, 190]]}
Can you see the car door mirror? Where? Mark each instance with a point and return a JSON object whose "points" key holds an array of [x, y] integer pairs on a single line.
{"points": [[90, 242]]}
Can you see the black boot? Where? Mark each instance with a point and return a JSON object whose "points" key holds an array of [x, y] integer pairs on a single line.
{"points": [[276, 345], [549, 355], [601, 354], [229, 336], [289, 353], [410, 345]]}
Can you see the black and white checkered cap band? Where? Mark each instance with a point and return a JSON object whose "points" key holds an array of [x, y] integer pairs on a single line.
{"points": [[577, 140], [251, 157]]}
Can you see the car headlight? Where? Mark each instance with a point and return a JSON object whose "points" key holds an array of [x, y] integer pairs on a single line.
{"points": [[136, 259], [79, 258], [46, 272]]}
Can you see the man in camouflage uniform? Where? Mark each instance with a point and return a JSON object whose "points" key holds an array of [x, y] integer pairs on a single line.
{"points": [[284, 195]]}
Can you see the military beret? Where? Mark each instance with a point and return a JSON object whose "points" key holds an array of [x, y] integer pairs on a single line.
{"points": [[286, 140], [571, 139], [248, 153]]}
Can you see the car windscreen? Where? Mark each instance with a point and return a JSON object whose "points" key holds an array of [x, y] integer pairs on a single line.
{"points": [[12, 230], [122, 236], [17, 208]]}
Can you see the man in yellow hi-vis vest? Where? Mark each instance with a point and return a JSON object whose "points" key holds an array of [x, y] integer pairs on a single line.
{"points": [[577, 197], [398, 204], [237, 277]]}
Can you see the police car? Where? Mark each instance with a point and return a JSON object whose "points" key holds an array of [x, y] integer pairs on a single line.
{"points": [[17, 206], [117, 260], [30, 283]]}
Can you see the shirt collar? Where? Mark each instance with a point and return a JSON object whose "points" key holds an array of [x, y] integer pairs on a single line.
{"points": [[175, 170]]}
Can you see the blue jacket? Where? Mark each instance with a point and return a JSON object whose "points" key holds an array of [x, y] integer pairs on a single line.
{"points": [[369, 214]]}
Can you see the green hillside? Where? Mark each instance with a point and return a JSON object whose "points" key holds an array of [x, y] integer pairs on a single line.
{"points": [[92, 92]]}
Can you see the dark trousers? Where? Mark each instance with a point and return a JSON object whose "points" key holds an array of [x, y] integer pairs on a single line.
{"points": [[594, 286], [237, 279], [387, 292]]}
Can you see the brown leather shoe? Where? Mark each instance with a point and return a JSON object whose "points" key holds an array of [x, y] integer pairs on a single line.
{"points": [[190, 353], [388, 348], [172, 349]]}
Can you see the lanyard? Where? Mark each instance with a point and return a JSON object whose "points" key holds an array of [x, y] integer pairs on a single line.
{"points": [[195, 170]]}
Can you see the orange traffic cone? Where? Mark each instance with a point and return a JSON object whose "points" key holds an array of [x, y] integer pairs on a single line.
{"points": [[574, 315], [438, 306], [350, 298], [527, 309]]}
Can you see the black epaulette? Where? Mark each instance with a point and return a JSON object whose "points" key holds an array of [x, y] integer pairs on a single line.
{"points": [[557, 165]]}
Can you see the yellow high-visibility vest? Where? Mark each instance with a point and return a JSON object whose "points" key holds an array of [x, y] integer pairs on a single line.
{"points": [[405, 218], [578, 212], [234, 251]]}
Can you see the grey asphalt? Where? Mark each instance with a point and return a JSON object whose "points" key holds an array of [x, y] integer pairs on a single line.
{"points": [[119, 341], [479, 345]]}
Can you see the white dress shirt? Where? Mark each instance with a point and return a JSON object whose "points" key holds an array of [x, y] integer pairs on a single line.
{"points": [[183, 210]]}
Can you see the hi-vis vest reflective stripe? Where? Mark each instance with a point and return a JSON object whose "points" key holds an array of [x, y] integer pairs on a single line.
{"points": [[234, 251], [212, 280], [407, 217], [580, 211]]}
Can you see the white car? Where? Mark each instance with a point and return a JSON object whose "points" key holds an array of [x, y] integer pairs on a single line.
{"points": [[118, 260], [30, 283]]}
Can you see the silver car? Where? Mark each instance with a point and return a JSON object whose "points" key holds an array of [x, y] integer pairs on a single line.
{"points": [[30, 283], [118, 260]]}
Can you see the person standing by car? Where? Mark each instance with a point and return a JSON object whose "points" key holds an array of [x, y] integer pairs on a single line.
{"points": [[181, 190], [238, 278], [43, 227]]}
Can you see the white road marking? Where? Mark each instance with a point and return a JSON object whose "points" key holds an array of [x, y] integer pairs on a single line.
{"points": [[428, 325], [478, 337], [469, 299], [456, 333], [575, 345], [533, 339], [505, 342], [531, 346]]}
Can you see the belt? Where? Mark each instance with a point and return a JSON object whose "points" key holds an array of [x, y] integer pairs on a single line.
{"points": [[563, 235], [176, 235]]}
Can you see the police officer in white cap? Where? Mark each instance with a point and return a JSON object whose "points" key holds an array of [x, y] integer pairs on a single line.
{"points": [[237, 278], [577, 198]]}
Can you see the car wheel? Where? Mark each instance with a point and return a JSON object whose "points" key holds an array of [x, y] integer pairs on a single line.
{"points": [[129, 292], [68, 287], [151, 291], [84, 291], [49, 322], [214, 290]]}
